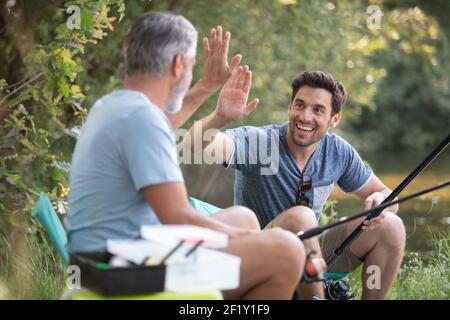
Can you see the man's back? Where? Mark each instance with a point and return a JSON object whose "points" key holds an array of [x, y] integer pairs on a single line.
{"points": [[118, 152]]}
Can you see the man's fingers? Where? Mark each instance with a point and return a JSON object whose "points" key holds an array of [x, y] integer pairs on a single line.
{"points": [[378, 218], [247, 83], [205, 47], [212, 39], [225, 45], [373, 223], [218, 37], [251, 106], [235, 62], [235, 77], [240, 80], [368, 203], [369, 227]]}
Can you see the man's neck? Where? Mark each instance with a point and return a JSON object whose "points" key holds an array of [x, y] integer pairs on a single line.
{"points": [[155, 89], [301, 154]]}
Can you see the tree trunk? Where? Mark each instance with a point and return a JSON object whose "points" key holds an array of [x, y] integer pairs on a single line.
{"points": [[22, 37]]}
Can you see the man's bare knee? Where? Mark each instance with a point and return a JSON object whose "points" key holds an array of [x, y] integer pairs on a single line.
{"points": [[248, 218], [296, 219], [287, 253], [238, 216], [393, 231]]}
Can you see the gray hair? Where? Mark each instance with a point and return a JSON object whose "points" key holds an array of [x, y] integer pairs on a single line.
{"points": [[154, 40]]}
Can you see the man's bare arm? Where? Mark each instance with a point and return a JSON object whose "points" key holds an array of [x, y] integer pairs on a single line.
{"points": [[373, 194], [170, 202]]}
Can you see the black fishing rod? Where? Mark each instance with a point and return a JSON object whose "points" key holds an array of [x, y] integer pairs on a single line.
{"points": [[375, 212], [303, 235]]}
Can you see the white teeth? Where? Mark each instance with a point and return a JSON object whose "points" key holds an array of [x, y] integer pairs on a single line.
{"points": [[304, 128]]}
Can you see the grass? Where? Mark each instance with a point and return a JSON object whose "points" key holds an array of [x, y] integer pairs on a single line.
{"points": [[425, 278], [33, 272], [421, 277]]}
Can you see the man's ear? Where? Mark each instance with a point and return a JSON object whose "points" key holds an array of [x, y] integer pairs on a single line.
{"points": [[177, 68], [335, 120]]}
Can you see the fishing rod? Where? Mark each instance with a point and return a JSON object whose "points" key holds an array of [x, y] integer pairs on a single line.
{"points": [[315, 266], [374, 213], [303, 235]]}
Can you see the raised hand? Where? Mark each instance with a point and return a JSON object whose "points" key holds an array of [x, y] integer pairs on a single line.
{"points": [[232, 102], [216, 70]]}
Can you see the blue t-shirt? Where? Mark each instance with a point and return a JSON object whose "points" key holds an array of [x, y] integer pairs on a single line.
{"points": [[267, 176], [126, 143]]}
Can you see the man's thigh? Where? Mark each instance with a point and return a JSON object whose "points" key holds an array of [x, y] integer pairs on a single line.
{"points": [[329, 241]]}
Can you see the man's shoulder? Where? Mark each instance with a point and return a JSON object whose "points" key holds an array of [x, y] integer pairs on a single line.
{"points": [[136, 109], [270, 129], [334, 141]]}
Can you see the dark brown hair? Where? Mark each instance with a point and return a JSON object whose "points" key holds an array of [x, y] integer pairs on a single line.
{"points": [[322, 80]]}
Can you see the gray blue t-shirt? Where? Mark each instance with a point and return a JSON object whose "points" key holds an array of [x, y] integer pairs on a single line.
{"points": [[267, 176], [126, 143]]}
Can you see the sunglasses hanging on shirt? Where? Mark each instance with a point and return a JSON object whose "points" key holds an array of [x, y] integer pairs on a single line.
{"points": [[304, 186]]}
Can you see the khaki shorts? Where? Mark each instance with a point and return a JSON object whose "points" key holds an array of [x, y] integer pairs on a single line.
{"points": [[329, 240]]}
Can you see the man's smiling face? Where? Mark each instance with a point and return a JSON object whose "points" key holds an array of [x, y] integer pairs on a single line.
{"points": [[310, 115]]}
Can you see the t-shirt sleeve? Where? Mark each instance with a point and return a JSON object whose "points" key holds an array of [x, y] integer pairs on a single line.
{"points": [[149, 150], [355, 173], [244, 151], [255, 149]]}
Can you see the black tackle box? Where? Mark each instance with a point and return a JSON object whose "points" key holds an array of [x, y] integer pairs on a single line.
{"points": [[97, 276]]}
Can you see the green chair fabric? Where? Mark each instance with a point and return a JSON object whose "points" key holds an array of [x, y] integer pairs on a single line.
{"points": [[204, 207], [46, 215]]}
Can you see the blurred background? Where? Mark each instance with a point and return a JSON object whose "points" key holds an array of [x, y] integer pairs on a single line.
{"points": [[393, 56]]}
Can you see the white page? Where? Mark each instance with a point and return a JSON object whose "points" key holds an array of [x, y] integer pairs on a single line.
{"points": [[172, 234]]}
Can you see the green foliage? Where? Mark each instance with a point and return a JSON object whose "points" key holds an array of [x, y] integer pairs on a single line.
{"points": [[412, 106], [421, 277], [40, 275], [329, 212], [392, 74], [35, 139], [425, 278]]}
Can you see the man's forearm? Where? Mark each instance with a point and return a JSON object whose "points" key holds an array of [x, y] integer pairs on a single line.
{"points": [[195, 97], [195, 133], [193, 217]]}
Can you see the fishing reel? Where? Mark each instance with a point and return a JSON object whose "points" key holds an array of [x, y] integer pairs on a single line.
{"points": [[338, 290], [315, 268]]}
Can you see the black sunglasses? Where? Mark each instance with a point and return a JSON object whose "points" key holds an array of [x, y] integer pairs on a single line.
{"points": [[305, 185]]}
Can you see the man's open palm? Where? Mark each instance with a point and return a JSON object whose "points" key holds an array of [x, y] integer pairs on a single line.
{"points": [[232, 103]]}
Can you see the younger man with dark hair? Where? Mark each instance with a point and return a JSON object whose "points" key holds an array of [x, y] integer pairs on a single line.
{"points": [[287, 181]]}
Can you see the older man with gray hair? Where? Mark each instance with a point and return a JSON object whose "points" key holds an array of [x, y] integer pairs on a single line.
{"points": [[125, 171]]}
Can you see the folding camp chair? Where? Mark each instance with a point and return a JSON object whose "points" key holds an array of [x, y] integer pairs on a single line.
{"points": [[46, 215]]}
